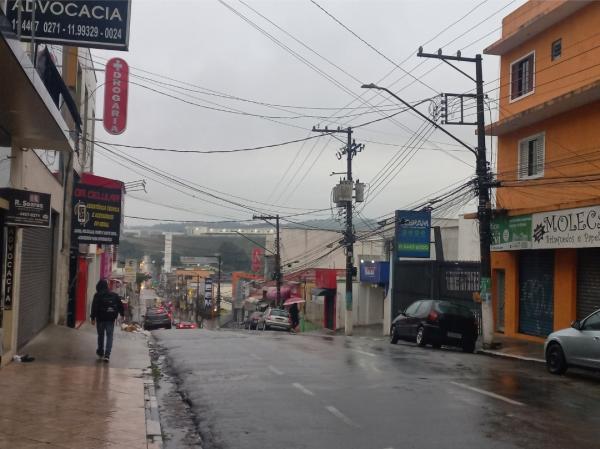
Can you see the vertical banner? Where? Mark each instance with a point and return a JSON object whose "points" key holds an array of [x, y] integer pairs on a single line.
{"points": [[413, 234], [256, 259], [9, 268], [116, 87]]}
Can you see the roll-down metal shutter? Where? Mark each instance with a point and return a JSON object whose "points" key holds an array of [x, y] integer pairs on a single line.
{"points": [[36, 282], [588, 281], [536, 292]]}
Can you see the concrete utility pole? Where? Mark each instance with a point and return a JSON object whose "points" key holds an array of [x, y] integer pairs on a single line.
{"points": [[278, 274], [351, 149], [482, 171]]}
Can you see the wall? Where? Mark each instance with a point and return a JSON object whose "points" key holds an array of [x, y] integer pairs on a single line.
{"points": [[468, 238], [577, 67], [571, 149]]}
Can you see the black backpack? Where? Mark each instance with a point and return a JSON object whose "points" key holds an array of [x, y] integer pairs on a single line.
{"points": [[107, 306]]}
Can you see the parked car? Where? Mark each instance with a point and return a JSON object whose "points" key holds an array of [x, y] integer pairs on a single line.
{"points": [[275, 318], [185, 325], [156, 318], [252, 320], [578, 345], [436, 323]]}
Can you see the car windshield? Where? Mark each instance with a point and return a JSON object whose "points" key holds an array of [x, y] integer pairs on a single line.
{"points": [[279, 312], [454, 309]]}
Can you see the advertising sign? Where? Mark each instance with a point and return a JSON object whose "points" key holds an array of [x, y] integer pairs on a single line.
{"points": [[413, 233], [569, 228], [208, 291], [256, 259], [9, 269], [116, 87], [79, 23], [511, 233], [96, 214], [27, 208], [374, 272], [130, 270]]}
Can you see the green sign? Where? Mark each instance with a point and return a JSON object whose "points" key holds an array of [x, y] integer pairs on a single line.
{"points": [[511, 233]]}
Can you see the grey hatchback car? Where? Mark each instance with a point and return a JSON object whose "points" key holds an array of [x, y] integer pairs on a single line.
{"points": [[578, 346]]}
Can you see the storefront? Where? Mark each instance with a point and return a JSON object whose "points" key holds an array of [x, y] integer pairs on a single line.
{"points": [[545, 270], [374, 283]]}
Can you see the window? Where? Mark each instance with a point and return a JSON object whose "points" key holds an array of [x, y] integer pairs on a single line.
{"points": [[424, 309], [556, 49], [521, 76], [592, 323], [412, 309], [531, 157]]}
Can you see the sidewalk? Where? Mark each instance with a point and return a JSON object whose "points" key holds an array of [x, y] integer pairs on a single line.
{"points": [[66, 399], [516, 349]]}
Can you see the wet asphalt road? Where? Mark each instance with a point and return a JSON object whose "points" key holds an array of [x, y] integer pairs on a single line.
{"points": [[275, 390]]}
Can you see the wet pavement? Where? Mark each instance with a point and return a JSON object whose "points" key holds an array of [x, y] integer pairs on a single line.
{"points": [[274, 389]]}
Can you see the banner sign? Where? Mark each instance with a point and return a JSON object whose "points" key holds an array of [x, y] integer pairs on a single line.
{"points": [[130, 270], [78, 23], [96, 214], [116, 87], [256, 259], [569, 228], [27, 208], [413, 233], [511, 233], [374, 272], [9, 269]]}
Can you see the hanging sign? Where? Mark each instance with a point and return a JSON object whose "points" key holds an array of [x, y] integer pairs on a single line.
{"points": [[116, 87], [511, 233], [78, 23], [96, 214], [27, 208]]}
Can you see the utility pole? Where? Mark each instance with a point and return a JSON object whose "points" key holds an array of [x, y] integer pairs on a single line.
{"points": [[484, 180], [278, 275], [351, 149]]}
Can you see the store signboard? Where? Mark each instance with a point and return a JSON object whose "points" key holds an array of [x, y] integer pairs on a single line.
{"points": [[511, 233], [569, 228], [130, 270], [413, 233], [77, 23], [27, 208], [9, 268], [96, 215], [116, 88]]}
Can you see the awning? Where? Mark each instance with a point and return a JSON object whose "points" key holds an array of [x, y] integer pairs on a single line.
{"points": [[27, 112], [323, 291]]}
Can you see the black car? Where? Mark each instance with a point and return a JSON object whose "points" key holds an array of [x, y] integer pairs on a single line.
{"points": [[157, 318], [436, 323]]}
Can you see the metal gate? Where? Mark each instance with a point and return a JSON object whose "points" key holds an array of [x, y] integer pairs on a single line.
{"points": [[536, 292], [35, 296], [500, 294], [588, 281]]}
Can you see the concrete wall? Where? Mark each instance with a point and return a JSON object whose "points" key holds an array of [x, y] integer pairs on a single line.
{"points": [[468, 239]]}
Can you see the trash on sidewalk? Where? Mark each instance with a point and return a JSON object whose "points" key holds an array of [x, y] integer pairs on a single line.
{"points": [[133, 327], [23, 358]]}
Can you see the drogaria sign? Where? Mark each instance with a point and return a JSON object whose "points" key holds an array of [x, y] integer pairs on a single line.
{"points": [[115, 96]]}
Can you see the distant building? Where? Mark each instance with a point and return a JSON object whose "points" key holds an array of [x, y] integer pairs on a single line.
{"points": [[210, 231]]}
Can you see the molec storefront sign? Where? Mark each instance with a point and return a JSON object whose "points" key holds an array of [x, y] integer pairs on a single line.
{"points": [[116, 87], [569, 228]]}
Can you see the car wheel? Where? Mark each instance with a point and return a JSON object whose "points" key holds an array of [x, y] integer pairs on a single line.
{"points": [[393, 335], [555, 359], [468, 346], [421, 341]]}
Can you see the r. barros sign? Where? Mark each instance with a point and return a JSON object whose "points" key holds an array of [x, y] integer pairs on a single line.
{"points": [[84, 23], [569, 228]]}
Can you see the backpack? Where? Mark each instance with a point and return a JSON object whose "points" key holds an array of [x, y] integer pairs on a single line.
{"points": [[107, 306]]}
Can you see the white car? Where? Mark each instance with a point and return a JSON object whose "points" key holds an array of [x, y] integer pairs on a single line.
{"points": [[578, 346]]}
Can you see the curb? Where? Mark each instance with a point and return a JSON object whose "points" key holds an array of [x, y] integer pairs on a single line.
{"points": [[153, 428], [504, 355]]}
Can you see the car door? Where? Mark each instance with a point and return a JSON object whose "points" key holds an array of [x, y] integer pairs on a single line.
{"points": [[589, 342], [403, 323]]}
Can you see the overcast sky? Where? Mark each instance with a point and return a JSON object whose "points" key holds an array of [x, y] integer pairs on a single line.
{"points": [[206, 45]]}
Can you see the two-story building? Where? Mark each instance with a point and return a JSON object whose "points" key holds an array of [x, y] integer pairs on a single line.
{"points": [[546, 251]]}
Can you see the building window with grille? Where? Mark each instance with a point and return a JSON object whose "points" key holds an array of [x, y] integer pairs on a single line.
{"points": [[522, 77], [556, 50], [531, 157]]}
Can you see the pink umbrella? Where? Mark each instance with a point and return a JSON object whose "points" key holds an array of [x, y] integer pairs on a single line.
{"points": [[293, 300]]}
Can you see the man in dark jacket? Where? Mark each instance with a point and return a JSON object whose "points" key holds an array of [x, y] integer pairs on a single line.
{"points": [[106, 306]]}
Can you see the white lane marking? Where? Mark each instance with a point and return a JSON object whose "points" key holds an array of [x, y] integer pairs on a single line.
{"points": [[303, 389], [488, 393], [335, 412], [275, 370], [370, 354]]}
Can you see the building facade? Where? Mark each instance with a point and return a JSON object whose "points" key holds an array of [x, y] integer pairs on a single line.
{"points": [[546, 250]]}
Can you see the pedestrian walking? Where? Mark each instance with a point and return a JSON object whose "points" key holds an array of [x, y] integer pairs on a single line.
{"points": [[106, 307], [295, 316]]}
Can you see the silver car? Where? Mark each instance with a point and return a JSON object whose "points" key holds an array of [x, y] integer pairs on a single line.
{"points": [[578, 345], [274, 318]]}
